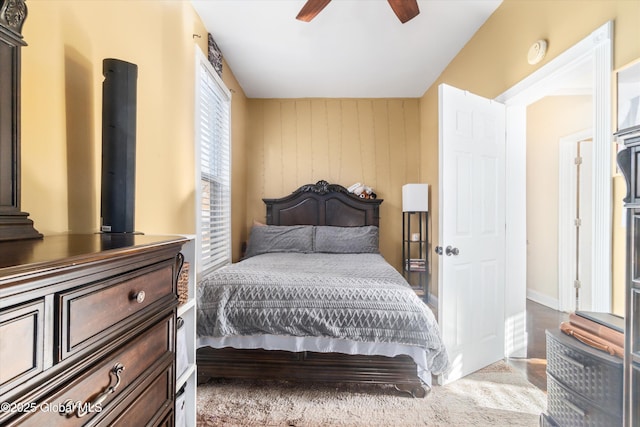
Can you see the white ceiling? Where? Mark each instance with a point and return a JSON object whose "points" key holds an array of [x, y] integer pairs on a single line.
{"points": [[352, 49]]}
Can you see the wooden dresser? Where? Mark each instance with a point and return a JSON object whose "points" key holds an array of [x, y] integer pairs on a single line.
{"points": [[629, 162], [87, 330]]}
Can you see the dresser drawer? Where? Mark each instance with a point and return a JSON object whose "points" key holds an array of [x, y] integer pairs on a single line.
{"points": [[151, 404], [591, 373], [90, 312], [568, 409], [22, 336], [129, 367]]}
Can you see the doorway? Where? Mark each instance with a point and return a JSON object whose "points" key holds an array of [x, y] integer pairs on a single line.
{"points": [[594, 51], [554, 125]]}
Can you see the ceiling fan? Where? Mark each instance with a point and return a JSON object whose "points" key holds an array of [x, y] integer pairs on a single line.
{"points": [[405, 10]]}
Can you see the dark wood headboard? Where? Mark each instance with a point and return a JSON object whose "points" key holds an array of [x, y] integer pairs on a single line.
{"points": [[323, 204]]}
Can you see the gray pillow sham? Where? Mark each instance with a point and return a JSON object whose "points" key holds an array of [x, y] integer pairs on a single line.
{"points": [[346, 240], [274, 238]]}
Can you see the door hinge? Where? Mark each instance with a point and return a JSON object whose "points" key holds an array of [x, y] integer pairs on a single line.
{"points": [[577, 284], [578, 160], [577, 222]]}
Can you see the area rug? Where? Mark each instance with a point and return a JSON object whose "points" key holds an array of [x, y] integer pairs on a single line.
{"points": [[494, 396]]}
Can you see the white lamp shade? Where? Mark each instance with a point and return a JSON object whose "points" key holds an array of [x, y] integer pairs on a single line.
{"points": [[415, 198]]}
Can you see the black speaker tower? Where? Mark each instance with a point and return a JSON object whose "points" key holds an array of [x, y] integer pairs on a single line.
{"points": [[118, 146]]}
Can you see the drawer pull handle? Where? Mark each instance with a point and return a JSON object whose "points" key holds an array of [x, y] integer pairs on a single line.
{"points": [[138, 296], [576, 409], [571, 360], [179, 264], [82, 409]]}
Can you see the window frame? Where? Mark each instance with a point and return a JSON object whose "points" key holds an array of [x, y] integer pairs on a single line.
{"points": [[203, 65]]}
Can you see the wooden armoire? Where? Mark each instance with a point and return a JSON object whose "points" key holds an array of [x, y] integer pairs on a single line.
{"points": [[629, 162]]}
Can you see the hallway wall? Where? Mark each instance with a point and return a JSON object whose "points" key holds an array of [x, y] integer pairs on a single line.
{"points": [[548, 120]]}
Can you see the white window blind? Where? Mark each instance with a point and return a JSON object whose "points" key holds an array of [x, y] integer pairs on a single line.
{"points": [[213, 164]]}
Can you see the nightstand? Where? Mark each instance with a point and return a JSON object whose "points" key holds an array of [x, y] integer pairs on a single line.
{"points": [[415, 266]]}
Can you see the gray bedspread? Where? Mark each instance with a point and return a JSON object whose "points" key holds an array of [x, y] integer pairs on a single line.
{"points": [[358, 297]]}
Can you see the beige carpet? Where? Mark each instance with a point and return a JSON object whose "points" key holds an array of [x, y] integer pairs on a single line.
{"points": [[495, 396]]}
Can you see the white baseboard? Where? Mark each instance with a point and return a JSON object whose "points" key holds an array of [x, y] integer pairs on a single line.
{"points": [[543, 299]]}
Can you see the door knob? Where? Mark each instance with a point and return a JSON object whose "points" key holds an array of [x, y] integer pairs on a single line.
{"points": [[451, 251], [438, 250]]}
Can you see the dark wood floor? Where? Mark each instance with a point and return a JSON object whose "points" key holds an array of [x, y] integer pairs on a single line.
{"points": [[539, 318]]}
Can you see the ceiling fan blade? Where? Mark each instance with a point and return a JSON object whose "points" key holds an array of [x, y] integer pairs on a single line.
{"points": [[405, 10], [310, 9]]}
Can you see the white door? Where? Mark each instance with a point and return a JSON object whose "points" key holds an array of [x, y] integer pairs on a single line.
{"points": [[471, 230]]}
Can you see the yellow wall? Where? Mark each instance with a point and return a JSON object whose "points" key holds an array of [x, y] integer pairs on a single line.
{"points": [[543, 148], [496, 58], [62, 111], [292, 142], [61, 105]]}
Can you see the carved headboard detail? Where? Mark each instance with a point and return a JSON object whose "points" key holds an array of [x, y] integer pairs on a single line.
{"points": [[323, 204]]}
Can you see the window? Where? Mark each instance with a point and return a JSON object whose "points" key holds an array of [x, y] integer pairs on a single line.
{"points": [[213, 164]]}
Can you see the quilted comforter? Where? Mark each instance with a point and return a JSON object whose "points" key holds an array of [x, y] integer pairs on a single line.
{"points": [[355, 297]]}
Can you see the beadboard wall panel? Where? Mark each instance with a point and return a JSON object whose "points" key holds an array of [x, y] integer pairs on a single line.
{"points": [[292, 142]]}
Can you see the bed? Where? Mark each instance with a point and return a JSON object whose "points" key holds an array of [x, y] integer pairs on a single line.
{"points": [[313, 300]]}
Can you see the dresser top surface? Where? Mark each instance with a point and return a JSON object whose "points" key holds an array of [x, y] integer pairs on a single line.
{"points": [[24, 255]]}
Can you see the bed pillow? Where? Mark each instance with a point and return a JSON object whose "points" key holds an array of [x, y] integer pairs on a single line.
{"points": [[346, 240], [275, 238]]}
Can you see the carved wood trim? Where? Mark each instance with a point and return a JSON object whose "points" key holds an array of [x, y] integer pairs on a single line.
{"points": [[322, 187], [322, 204], [14, 224], [12, 16]]}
